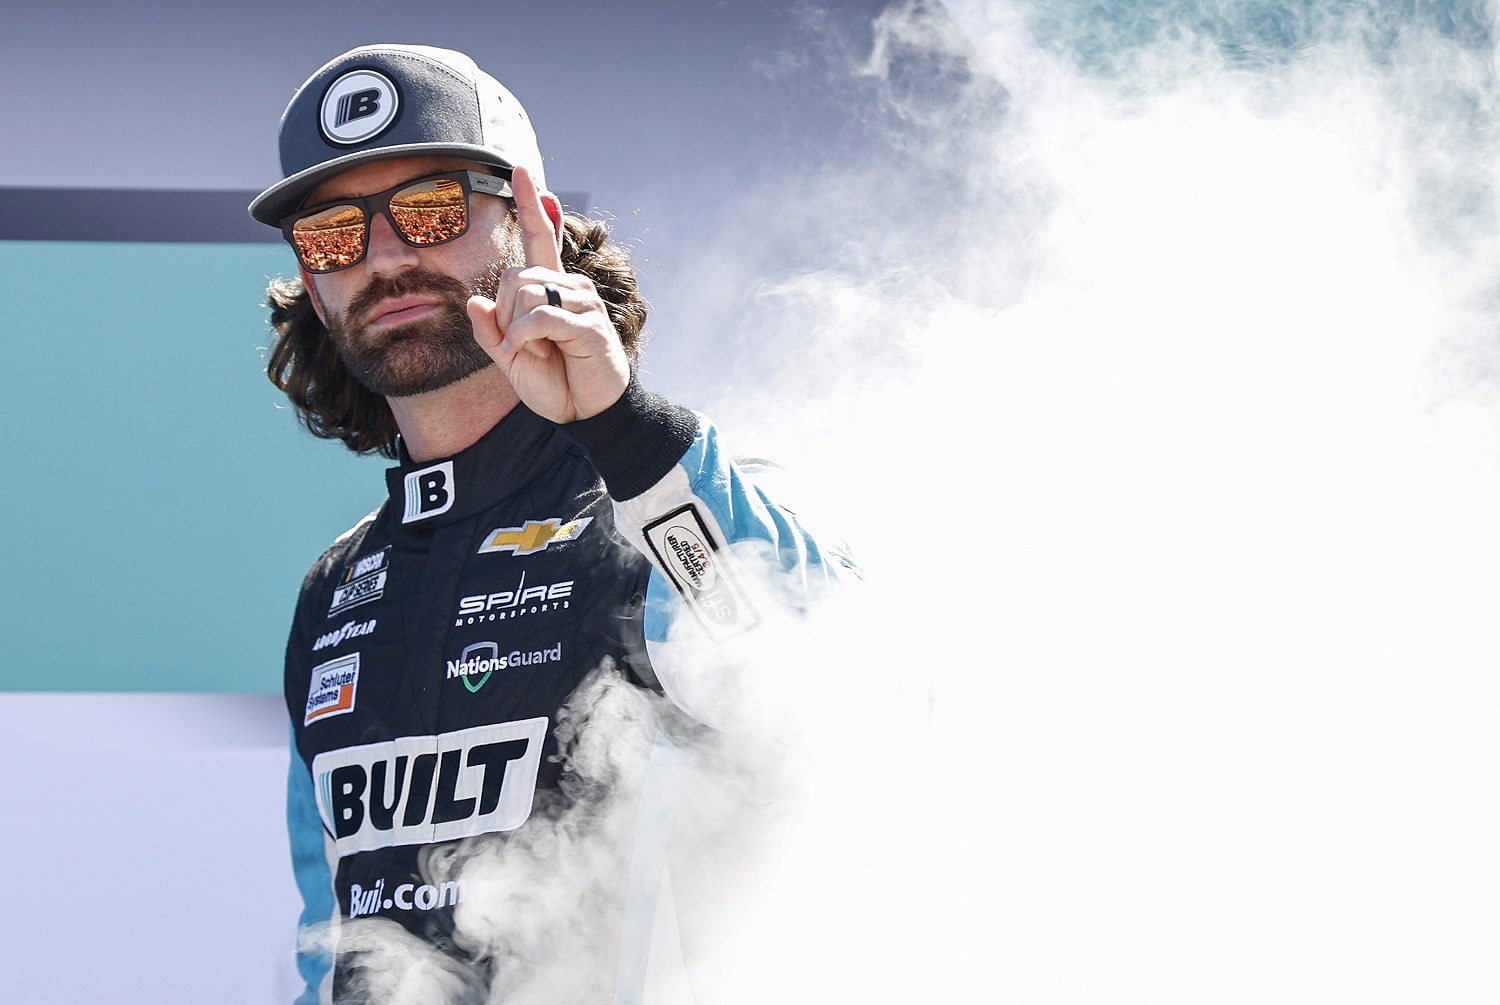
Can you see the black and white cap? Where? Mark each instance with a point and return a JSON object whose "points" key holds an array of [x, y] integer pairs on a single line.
{"points": [[381, 101]]}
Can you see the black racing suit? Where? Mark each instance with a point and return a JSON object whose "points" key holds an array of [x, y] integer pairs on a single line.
{"points": [[437, 645]]}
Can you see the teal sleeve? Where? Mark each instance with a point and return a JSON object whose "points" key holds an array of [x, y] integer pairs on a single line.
{"points": [[314, 880], [735, 493]]}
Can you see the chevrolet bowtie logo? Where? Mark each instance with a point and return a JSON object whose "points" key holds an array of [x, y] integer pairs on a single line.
{"points": [[533, 537]]}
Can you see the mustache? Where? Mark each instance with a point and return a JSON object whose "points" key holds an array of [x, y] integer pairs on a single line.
{"points": [[414, 281]]}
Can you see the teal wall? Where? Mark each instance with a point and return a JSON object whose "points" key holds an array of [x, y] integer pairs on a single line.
{"points": [[162, 503]]}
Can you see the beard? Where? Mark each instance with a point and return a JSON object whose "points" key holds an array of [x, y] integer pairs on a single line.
{"points": [[420, 356]]}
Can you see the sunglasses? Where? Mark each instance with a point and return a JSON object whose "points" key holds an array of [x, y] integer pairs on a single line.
{"points": [[423, 212]]}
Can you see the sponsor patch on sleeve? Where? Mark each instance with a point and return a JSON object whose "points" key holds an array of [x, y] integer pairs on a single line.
{"points": [[685, 550], [331, 690]]}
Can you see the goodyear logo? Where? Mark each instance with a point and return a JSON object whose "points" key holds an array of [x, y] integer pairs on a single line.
{"points": [[533, 536]]}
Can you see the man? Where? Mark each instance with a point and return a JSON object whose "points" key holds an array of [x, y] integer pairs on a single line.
{"points": [[552, 530]]}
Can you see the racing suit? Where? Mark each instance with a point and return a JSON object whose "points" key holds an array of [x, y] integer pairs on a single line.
{"points": [[436, 647]]}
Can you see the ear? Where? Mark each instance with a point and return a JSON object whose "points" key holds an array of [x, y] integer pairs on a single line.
{"points": [[312, 295], [552, 205]]}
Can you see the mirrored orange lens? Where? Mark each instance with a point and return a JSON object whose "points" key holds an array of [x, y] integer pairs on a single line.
{"points": [[332, 239], [430, 212]]}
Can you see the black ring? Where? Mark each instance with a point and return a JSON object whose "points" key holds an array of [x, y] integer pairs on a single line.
{"points": [[554, 299]]}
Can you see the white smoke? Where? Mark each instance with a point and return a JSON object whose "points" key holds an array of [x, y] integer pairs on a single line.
{"points": [[1151, 373], [1149, 368]]}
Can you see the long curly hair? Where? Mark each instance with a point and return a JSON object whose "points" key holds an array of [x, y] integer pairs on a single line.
{"points": [[304, 363]]}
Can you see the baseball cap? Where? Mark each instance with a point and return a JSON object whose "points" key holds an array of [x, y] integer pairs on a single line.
{"points": [[381, 101]]}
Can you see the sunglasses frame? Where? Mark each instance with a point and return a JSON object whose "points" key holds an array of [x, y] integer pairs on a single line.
{"points": [[380, 202]]}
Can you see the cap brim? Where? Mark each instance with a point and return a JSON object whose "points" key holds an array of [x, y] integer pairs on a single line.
{"points": [[287, 195]]}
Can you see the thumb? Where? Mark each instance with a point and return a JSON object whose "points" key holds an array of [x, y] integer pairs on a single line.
{"points": [[486, 324]]}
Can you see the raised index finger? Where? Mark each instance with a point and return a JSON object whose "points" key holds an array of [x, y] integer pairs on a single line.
{"points": [[538, 238]]}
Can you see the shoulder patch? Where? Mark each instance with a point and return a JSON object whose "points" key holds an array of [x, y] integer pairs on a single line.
{"points": [[699, 571]]}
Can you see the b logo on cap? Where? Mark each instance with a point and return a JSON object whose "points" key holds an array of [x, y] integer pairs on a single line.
{"points": [[358, 107]]}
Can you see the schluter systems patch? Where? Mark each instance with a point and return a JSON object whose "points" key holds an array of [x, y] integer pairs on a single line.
{"points": [[686, 552], [331, 690]]}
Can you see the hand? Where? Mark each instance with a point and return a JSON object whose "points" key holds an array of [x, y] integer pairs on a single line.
{"points": [[565, 362]]}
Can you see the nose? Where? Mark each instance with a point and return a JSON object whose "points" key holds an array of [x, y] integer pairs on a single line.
{"points": [[387, 253]]}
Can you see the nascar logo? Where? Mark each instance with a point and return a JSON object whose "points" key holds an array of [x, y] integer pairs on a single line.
{"points": [[362, 582]]}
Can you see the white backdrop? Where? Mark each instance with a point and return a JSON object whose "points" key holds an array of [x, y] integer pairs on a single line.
{"points": [[147, 849]]}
